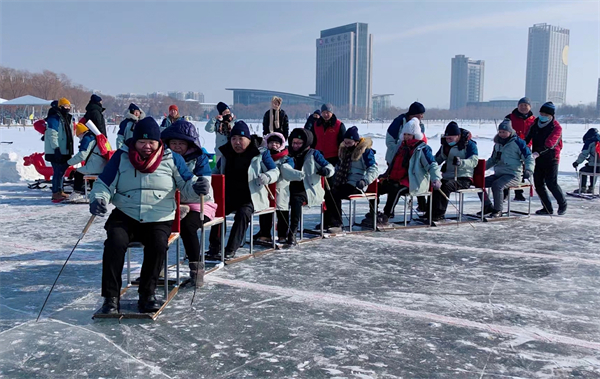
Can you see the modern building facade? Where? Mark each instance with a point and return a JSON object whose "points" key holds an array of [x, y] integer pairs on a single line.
{"points": [[466, 84], [344, 69], [381, 103], [246, 96], [547, 64]]}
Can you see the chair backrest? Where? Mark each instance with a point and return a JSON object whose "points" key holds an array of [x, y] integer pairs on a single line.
{"points": [[273, 189], [176, 228], [373, 187], [218, 186], [479, 174]]}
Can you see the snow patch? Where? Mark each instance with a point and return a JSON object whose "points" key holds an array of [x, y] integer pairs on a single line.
{"points": [[12, 169]]}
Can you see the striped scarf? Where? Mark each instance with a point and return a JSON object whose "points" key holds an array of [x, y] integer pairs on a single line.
{"points": [[343, 169]]}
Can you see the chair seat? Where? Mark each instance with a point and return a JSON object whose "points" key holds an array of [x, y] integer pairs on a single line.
{"points": [[368, 195], [173, 237], [520, 186], [90, 177], [470, 190], [214, 221], [265, 211]]}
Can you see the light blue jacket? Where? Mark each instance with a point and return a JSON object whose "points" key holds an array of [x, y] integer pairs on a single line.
{"points": [[126, 127], [212, 126], [312, 181], [89, 152], [145, 197], [58, 134], [422, 169], [363, 164], [466, 150], [508, 159]]}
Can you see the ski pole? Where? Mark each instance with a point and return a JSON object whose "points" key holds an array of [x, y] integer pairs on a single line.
{"points": [[447, 198], [198, 263], [85, 229], [334, 203], [579, 180], [371, 207]]}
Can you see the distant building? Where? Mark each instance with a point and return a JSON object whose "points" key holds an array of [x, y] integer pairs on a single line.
{"points": [[176, 95], [466, 84], [258, 96], [344, 69], [598, 100], [198, 96], [381, 103], [547, 64]]}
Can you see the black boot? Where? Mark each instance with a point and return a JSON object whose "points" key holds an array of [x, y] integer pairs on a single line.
{"points": [[291, 239], [486, 210], [110, 306], [197, 274], [213, 253], [562, 209], [519, 196], [149, 304]]}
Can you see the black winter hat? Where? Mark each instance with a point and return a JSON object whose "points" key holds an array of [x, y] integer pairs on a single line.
{"points": [[548, 108], [352, 133], [305, 135], [415, 108], [221, 107], [132, 108], [240, 129], [452, 129], [146, 128], [318, 111], [327, 107], [95, 98]]}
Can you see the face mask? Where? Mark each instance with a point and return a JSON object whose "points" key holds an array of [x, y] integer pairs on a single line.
{"points": [[227, 118], [451, 143], [544, 118]]}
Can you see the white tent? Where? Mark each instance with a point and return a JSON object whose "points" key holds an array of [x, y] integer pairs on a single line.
{"points": [[26, 100]]}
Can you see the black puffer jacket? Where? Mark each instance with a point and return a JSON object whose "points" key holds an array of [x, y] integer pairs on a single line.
{"points": [[284, 124], [93, 112]]}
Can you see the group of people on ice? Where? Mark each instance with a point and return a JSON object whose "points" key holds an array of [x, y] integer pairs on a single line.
{"points": [[152, 161]]}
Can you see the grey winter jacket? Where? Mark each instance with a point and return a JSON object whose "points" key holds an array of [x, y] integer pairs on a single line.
{"points": [[126, 127], [212, 126], [422, 170], [363, 164], [313, 160], [465, 149], [89, 152], [508, 159], [145, 197], [590, 154]]}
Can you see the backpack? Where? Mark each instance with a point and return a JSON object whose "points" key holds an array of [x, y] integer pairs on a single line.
{"points": [[106, 150]]}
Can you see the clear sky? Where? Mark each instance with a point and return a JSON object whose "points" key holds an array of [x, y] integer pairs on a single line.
{"points": [[146, 46]]}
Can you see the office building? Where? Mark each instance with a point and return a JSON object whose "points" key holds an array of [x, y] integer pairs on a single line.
{"points": [[547, 64], [344, 69], [381, 103], [466, 84]]}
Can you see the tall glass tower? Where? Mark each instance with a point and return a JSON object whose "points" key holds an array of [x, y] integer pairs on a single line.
{"points": [[466, 83], [547, 64], [344, 69]]}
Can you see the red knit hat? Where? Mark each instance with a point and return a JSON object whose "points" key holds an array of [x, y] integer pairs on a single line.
{"points": [[173, 107]]}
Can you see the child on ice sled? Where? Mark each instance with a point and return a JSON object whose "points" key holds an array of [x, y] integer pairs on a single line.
{"points": [[591, 152]]}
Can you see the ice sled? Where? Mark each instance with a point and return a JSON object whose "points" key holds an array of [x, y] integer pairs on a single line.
{"points": [[37, 160]]}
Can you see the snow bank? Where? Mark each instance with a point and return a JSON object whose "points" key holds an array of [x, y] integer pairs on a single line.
{"points": [[12, 169]]}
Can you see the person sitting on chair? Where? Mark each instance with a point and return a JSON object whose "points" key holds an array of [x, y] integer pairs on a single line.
{"points": [[140, 180], [591, 152]]}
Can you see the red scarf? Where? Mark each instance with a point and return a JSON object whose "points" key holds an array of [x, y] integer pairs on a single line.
{"points": [[279, 154], [148, 165]]}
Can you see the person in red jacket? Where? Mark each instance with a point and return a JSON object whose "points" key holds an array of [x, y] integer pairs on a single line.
{"points": [[545, 136], [328, 133], [521, 119]]}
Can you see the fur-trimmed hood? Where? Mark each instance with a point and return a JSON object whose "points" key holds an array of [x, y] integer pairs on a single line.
{"points": [[130, 116], [360, 148]]}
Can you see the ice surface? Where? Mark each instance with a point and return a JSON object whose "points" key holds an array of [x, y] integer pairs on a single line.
{"points": [[513, 299]]}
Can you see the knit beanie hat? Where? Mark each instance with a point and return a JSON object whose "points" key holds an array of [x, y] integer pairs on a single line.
{"points": [[80, 128], [506, 125], [413, 127], [132, 108], [62, 102], [452, 129], [318, 111], [171, 107], [415, 108], [95, 98], [352, 134], [221, 107], [548, 108], [327, 107], [146, 128], [240, 129], [524, 100]]}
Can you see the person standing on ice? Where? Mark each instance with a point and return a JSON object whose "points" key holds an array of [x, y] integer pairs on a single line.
{"points": [[126, 127], [182, 138], [275, 144], [591, 152], [412, 169], [90, 154], [545, 136], [508, 158], [458, 154], [94, 112], [305, 179], [58, 145], [521, 119], [275, 120], [328, 133], [310, 122], [393, 138], [221, 125], [357, 168], [140, 180], [173, 117], [247, 171]]}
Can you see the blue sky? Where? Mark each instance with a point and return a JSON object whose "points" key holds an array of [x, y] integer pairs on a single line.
{"points": [[143, 46]]}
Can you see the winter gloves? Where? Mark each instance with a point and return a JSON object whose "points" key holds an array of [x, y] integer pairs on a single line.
{"points": [[535, 155], [98, 207], [527, 174], [436, 184], [262, 180], [322, 171], [361, 184], [575, 164], [202, 186], [457, 161]]}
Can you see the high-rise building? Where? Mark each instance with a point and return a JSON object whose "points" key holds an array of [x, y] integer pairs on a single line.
{"points": [[466, 83], [381, 103], [547, 64], [191, 95], [598, 100], [344, 69]]}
